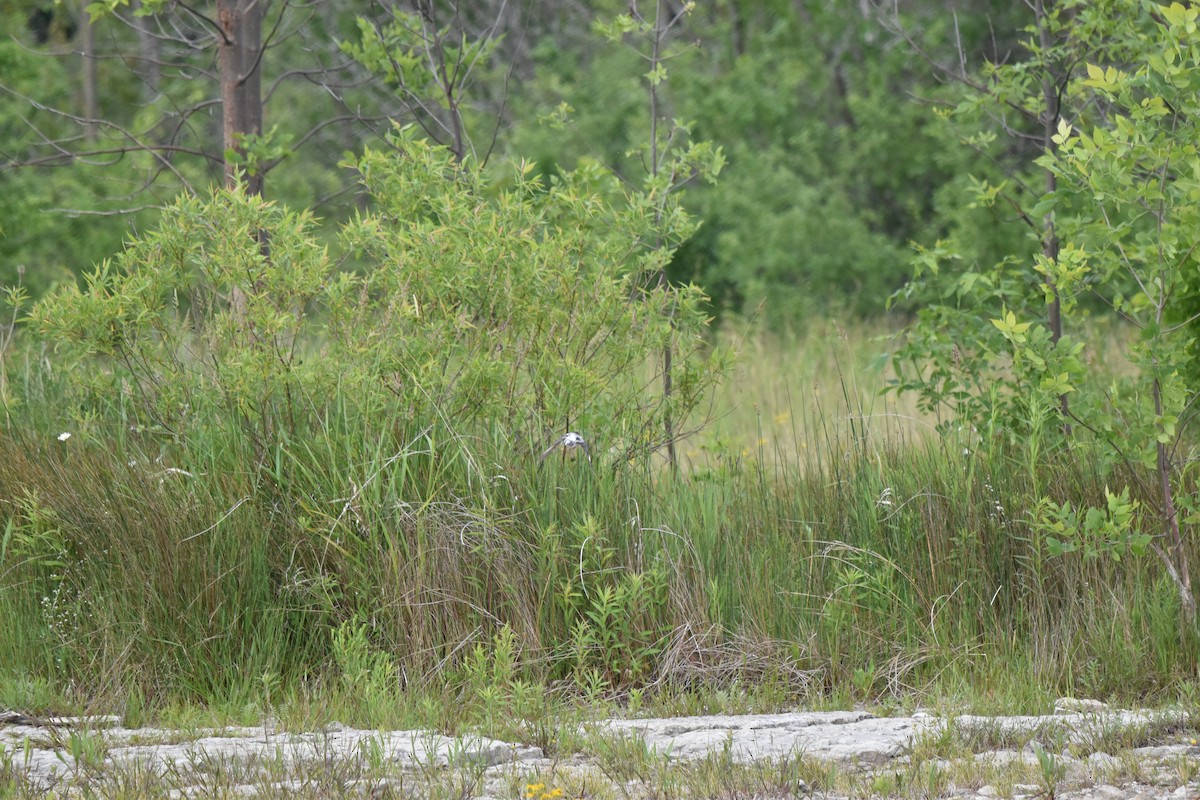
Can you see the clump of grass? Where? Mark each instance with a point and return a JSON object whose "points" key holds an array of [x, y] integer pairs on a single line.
{"points": [[792, 775]]}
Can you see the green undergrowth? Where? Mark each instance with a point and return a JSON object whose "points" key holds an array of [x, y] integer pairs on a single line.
{"points": [[241, 478], [388, 572]]}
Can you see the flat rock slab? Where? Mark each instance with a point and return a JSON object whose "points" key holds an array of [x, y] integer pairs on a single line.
{"points": [[854, 738], [844, 736], [50, 756], [1078, 727], [829, 735]]}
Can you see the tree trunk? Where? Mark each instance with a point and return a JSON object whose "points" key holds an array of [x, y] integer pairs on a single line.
{"points": [[240, 62], [91, 110], [150, 50]]}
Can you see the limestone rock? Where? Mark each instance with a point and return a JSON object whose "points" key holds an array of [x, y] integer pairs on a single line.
{"points": [[1103, 761], [856, 739], [1072, 705], [844, 736]]}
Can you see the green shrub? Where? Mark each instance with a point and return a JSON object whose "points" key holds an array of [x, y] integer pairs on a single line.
{"points": [[531, 307], [353, 446], [528, 308]]}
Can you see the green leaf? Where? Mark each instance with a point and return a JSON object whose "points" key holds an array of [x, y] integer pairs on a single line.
{"points": [[1064, 131], [1177, 15], [1056, 547]]}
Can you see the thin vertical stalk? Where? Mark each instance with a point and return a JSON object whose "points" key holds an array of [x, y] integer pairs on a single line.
{"points": [[1050, 244], [1178, 561], [667, 353]]}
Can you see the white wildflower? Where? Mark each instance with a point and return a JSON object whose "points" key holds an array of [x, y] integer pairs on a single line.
{"points": [[62, 437]]}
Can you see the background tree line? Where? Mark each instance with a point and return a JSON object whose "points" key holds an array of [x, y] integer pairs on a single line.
{"points": [[450, 233], [825, 113]]}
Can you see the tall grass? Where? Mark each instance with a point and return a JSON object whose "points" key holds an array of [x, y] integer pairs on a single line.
{"points": [[821, 538]]}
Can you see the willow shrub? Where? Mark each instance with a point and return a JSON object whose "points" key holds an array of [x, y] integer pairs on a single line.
{"points": [[522, 307], [321, 431]]}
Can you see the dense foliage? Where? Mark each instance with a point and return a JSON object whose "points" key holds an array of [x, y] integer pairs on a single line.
{"points": [[526, 311], [832, 170], [324, 423]]}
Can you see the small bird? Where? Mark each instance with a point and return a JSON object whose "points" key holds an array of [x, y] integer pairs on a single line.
{"points": [[568, 441]]}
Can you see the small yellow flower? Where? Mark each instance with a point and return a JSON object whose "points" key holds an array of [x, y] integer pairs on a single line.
{"points": [[537, 791]]}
